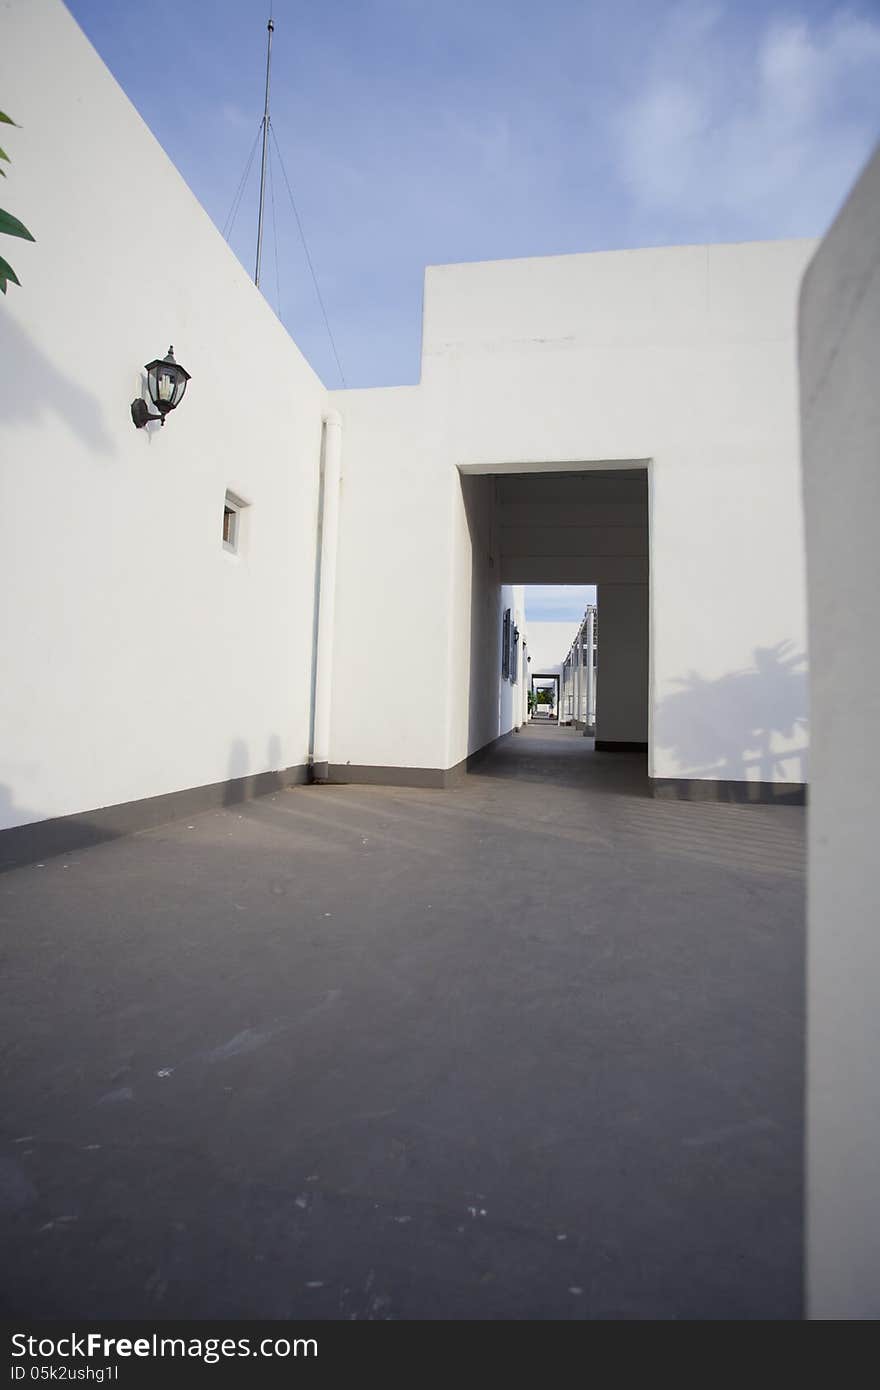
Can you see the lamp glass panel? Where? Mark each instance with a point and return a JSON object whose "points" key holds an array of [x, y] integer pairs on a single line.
{"points": [[167, 381]]}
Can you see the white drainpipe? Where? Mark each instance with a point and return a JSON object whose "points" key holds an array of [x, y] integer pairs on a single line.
{"points": [[328, 543]]}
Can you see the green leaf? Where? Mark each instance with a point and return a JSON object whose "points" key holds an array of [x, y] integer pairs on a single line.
{"points": [[12, 227], [6, 120], [4, 155], [7, 273]]}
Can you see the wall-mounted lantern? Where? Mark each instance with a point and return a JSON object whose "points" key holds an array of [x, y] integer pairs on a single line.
{"points": [[166, 383]]}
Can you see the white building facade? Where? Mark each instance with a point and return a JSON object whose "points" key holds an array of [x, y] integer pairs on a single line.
{"points": [[627, 419]]}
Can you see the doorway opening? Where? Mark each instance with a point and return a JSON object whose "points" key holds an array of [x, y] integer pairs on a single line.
{"points": [[544, 701], [563, 530]]}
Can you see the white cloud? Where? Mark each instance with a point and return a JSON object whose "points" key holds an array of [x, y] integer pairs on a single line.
{"points": [[763, 138]]}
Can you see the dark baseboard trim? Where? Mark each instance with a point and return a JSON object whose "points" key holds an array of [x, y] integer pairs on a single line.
{"points": [[372, 775], [611, 745], [454, 774], [741, 793], [27, 844]]}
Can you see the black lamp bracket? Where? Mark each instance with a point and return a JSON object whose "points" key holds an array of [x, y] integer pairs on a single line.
{"points": [[142, 415]]}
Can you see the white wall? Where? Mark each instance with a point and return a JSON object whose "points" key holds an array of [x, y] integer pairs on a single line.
{"points": [[840, 411], [140, 657], [418, 581], [622, 699], [684, 356], [549, 644], [393, 583]]}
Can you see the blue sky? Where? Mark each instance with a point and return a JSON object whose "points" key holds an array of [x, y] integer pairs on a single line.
{"points": [[557, 603], [416, 132]]}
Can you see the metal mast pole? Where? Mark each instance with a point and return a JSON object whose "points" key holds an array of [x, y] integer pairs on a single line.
{"points": [[271, 28]]}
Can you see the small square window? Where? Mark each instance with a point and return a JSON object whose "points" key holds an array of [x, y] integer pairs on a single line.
{"points": [[232, 510]]}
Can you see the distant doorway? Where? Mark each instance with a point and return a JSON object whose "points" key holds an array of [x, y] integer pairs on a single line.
{"points": [[544, 704]]}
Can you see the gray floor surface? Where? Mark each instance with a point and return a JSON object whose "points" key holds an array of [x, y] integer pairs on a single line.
{"points": [[526, 1048]]}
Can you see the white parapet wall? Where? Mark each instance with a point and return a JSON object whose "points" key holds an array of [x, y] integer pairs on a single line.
{"points": [[140, 655], [840, 411]]}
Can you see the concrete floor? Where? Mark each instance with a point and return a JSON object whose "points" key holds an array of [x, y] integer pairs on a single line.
{"points": [[528, 1048]]}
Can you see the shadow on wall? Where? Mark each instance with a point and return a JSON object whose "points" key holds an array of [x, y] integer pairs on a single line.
{"points": [[25, 839], [724, 728], [28, 839], [33, 387], [12, 815], [241, 783], [238, 781]]}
